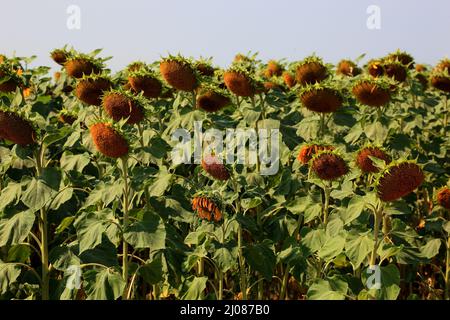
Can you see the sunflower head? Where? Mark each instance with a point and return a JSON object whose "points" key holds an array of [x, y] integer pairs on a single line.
{"points": [[179, 72], [329, 165], [399, 179], [365, 163], [443, 197], [207, 208], [308, 151]]}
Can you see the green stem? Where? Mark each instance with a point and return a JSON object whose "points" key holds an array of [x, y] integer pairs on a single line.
{"points": [[322, 125], [376, 230], [44, 233], [125, 222], [243, 277], [327, 192], [447, 272], [194, 100], [283, 291], [445, 111], [141, 135], [243, 283]]}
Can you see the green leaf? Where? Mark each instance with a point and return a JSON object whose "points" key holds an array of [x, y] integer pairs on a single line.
{"points": [[160, 185], [376, 132], [193, 288], [431, 248], [106, 284], [249, 203], [76, 162], [8, 275], [148, 233], [358, 249], [19, 253], [333, 288], [90, 228], [15, 229], [224, 259], [152, 272], [37, 194], [65, 223], [332, 247], [313, 239], [354, 209], [389, 284], [61, 198], [261, 258], [56, 135], [10, 194]]}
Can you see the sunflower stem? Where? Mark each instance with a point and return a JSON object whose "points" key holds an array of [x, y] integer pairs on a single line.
{"points": [[243, 277], [283, 291], [141, 134], [124, 161], [378, 215], [322, 125], [447, 272], [43, 228], [327, 191], [445, 111], [194, 99]]}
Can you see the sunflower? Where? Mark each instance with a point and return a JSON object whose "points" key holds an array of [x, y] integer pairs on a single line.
{"points": [[206, 209], [399, 179], [108, 140]]}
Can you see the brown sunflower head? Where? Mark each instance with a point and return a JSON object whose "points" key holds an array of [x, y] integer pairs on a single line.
{"points": [[108, 140], [443, 65], [205, 68], [310, 71], [289, 79], [372, 93], [403, 57], [398, 180], [375, 68], [206, 209], [9, 79], [319, 98], [273, 69], [179, 73], [90, 89], [215, 167], [396, 70], [347, 68], [78, 65], [67, 117], [60, 56], [211, 98], [440, 79], [443, 197], [121, 104], [328, 165], [420, 68], [308, 151], [146, 82], [364, 162], [239, 82], [16, 129], [136, 66]]}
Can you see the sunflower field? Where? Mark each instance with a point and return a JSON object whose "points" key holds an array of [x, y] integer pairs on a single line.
{"points": [[92, 205]]}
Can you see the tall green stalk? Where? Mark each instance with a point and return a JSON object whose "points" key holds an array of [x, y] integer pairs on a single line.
{"points": [[327, 191], [376, 230], [43, 228], [125, 221], [447, 271]]}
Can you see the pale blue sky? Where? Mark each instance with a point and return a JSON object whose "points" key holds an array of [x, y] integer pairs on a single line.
{"points": [[144, 30]]}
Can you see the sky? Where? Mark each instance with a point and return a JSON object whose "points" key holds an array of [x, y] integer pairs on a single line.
{"points": [[292, 29]]}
